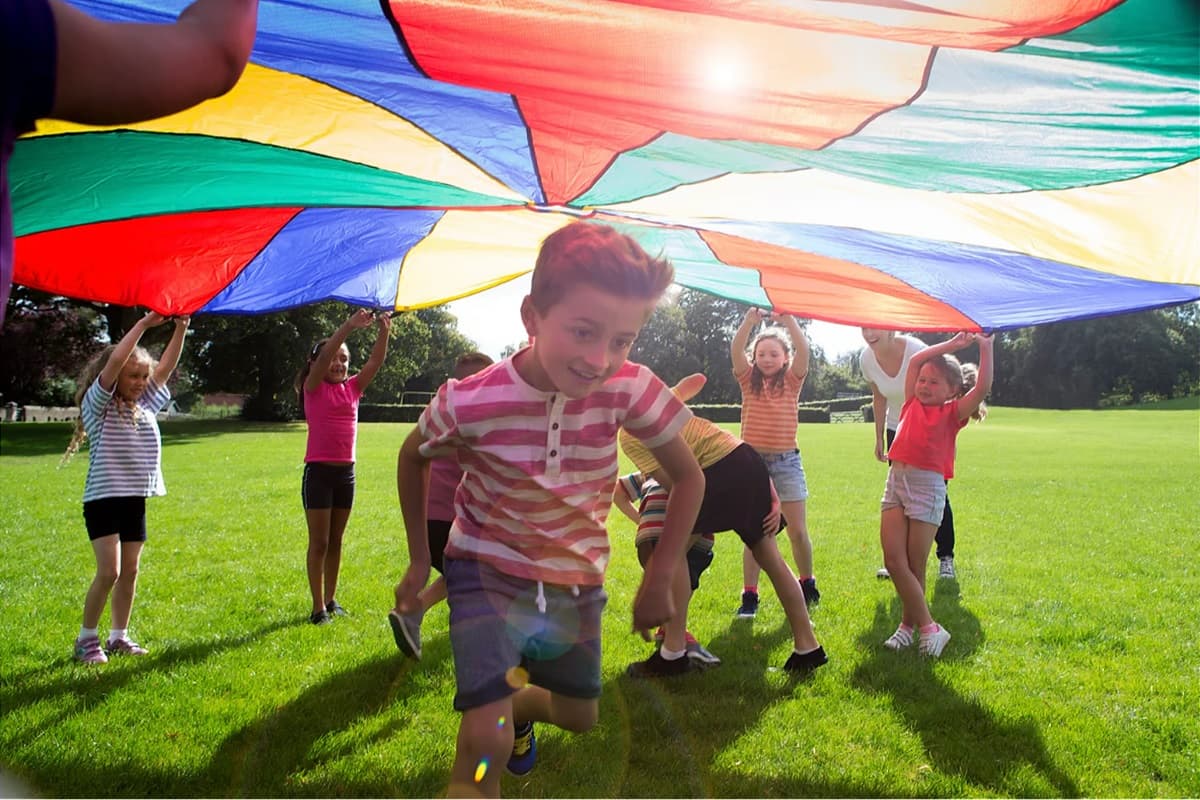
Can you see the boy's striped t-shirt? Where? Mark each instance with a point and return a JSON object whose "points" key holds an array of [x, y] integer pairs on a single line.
{"points": [[124, 449], [539, 468]]}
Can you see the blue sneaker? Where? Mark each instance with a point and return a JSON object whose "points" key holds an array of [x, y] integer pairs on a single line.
{"points": [[749, 606], [524, 752]]}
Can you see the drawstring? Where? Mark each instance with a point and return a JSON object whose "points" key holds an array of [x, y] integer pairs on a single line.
{"points": [[541, 596]]}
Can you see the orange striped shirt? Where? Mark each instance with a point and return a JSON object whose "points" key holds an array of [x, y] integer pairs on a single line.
{"points": [[538, 467], [769, 419]]}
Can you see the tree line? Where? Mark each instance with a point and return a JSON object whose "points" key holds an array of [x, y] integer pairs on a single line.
{"points": [[1085, 364]]}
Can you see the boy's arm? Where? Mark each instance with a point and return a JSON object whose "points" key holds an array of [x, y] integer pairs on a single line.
{"points": [[652, 605], [801, 355], [320, 367], [412, 486], [170, 356], [624, 502], [378, 352], [737, 345], [120, 354], [117, 72], [971, 401]]}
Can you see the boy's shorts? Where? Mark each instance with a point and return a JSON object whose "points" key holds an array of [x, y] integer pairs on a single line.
{"points": [[652, 510], [438, 531], [495, 626], [920, 492], [327, 486], [787, 473], [124, 516]]}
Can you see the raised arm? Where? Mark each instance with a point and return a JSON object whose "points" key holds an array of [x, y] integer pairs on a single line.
{"points": [[412, 486], [320, 367], [116, 72], [921, 356], [378, 352], [170, 356], [970, 402], [120, 354], [737, 346], [800, 348]]}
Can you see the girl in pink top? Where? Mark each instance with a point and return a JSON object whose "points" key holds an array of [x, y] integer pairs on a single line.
{"points": [[935, 410], [771, 373], [329, 400]]}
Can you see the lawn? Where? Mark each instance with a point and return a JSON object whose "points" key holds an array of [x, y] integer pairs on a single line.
{"points": [[1073, 669]]}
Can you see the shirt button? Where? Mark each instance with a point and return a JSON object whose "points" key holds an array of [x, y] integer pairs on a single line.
{"points": [[554, 427], [553, 453]]}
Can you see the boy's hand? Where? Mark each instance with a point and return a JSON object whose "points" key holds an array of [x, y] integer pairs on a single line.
{"points": [[652, 607], [410, 585]]}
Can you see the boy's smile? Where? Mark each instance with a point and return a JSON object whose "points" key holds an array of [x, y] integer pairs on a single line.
{"points": [[582, 340]]}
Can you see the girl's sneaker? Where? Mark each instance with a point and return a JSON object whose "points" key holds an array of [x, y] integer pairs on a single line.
{"points": [[87, 651], [932, 644], [899, 640], [125, 647]]}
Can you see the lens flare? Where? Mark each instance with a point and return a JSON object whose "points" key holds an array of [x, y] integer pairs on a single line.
{"points": [[517, 677], [481, 770]]}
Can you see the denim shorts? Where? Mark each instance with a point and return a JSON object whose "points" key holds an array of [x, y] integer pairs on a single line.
{"points": [[787, 473], [496, 625], [920, 492]]}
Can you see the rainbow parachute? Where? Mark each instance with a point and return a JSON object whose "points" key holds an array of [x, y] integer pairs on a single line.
{"points": [[939, 165]]}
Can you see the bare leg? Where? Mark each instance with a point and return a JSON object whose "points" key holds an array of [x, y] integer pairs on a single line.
{"points": [[126, 585], [338, 518], [797, 530], [482, 741], [766, 551], [901, 538], [432, 594], [318, 546], [674, 629], [107, 550]]}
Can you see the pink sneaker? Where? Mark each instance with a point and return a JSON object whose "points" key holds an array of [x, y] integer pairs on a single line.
{"points": [[125, 647], [87, 651]]}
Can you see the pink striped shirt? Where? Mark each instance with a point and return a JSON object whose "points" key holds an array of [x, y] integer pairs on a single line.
{"points": [[538, 467]]}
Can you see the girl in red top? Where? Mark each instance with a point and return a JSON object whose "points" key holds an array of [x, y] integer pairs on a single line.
{"points": [[935, 410], [329, 399]]}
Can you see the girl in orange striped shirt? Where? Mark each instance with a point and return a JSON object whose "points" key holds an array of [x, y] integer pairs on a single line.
{"points": [[771, 373]]}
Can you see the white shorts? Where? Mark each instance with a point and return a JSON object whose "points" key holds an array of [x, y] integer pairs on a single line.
{"points": [[920, 492]]}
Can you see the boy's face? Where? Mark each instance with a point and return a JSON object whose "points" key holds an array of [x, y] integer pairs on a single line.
{"points": [[582, 340]]}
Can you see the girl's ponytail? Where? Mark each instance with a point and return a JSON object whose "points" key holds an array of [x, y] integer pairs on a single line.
{"points": [[87, 376], [970, 374]]}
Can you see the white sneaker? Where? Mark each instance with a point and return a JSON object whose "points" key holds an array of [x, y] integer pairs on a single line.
{"points": [[883, 574], [932, 644], [899, 640], [946, 568]]}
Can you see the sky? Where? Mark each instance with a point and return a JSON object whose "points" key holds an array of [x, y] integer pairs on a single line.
{"points": [[493, 320]]}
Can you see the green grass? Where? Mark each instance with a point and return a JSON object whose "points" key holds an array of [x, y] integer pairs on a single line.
{"points": [[1073, 669]]}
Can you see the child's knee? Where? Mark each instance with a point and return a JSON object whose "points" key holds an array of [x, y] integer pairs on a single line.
{"points": [[578, 716]]}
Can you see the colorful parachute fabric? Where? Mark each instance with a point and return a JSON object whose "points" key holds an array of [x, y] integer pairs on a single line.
{"points": [[954, 164]]}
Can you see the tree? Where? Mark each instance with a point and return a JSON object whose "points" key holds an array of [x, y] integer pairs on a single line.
{"points": [[45, 342]]}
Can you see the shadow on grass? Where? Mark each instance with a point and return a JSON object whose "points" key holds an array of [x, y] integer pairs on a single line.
{"points": [[960, 736], [28, 439]]}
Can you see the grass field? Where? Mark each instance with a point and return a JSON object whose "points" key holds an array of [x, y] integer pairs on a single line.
{"points": [[1073, 669]]}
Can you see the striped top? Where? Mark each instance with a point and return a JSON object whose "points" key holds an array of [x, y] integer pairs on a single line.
{"points": [[769, 419], [708, 443], [539, 468], [124, 449]]}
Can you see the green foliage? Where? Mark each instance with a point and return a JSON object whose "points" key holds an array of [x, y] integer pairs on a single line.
{"points": [[44, 344], [1072, 670]]}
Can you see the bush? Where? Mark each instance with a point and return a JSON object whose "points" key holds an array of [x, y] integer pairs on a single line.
{"points": [[814, 415], [258, 410], [389, 412], [717, 412]]}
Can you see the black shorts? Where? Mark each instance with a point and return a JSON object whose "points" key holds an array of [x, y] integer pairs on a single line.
{"points": [[439, 534], [124, 516], [699, 558], [737, 496], [327, 486]]}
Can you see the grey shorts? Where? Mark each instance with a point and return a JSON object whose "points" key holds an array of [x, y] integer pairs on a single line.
{"points": [[920, 492], [496, 626], [787, 473]]}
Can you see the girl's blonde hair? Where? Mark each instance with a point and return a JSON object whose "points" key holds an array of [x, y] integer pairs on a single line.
{"points": [[970, 376], [87, 376], [758, 381]]}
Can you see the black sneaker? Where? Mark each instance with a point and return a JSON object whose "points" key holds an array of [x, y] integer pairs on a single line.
{"points": [[806, 663], [749, 606], [319, 617], [334, 609], [658, 667], [811, 595]]}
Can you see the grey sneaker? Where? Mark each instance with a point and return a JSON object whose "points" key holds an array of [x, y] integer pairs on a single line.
{"points": [[406, 630], [125, 647], [899, 640], [699, 654], [932, 644], [946, 568], [883, 574]]}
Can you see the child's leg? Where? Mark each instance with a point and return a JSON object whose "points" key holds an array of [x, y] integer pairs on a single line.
{"points": [[920, 541], [795, 513], [674, 629], [945, 533], [126, 585], [895, 533], [482, 741], [432, 594], [535, 704], [338, 518], [318, 545], [766, 552], [750, 568], [107, 550]]}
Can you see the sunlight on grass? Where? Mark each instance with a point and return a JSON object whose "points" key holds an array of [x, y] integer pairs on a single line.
{"points": [[1072, 670]]}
